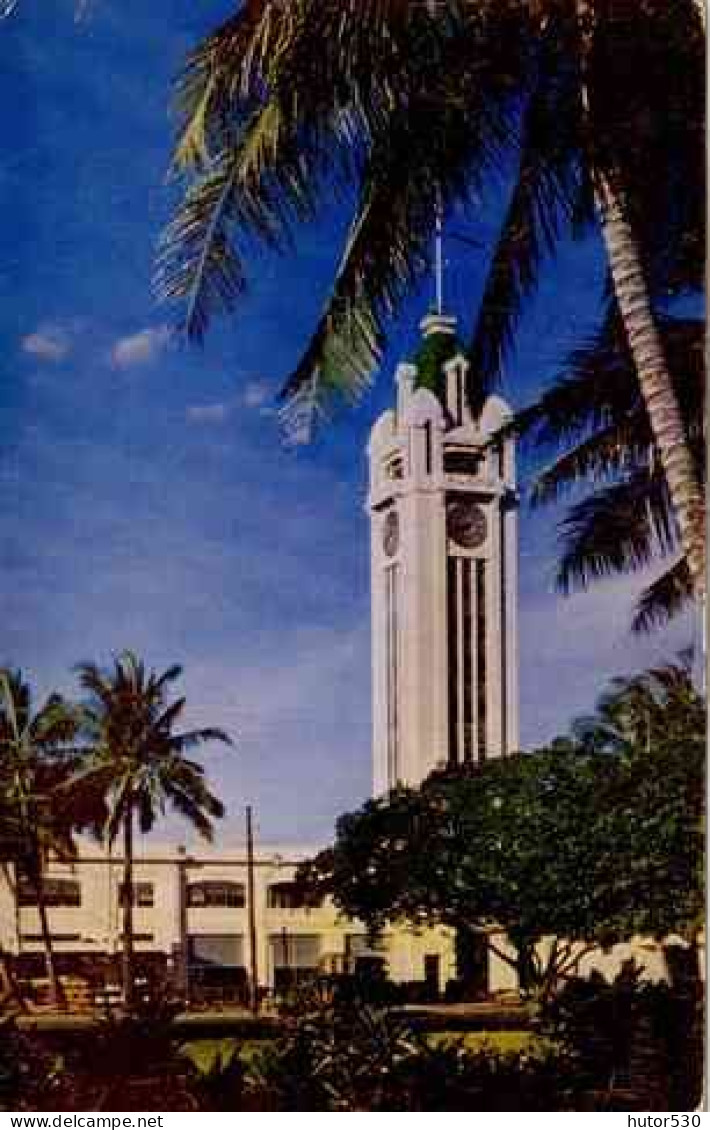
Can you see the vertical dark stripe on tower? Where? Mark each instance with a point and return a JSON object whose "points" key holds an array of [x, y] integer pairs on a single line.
{"points": [[468, 628], [427, 447], [503, 641], [392, 675], [481, 628], [453, 664], [395, 674]]}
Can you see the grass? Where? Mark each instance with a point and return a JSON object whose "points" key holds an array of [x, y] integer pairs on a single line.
{"points": [[206, 1051], [503, 1043]]}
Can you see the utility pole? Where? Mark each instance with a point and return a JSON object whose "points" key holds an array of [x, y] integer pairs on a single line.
{"points": [[254, 972], [183, 977]]}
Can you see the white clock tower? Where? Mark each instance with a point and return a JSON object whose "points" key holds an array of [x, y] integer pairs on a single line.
{"points": [[443, 514]]}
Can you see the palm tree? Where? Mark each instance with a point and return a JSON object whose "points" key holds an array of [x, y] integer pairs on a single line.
{"points": [[137, 761], [418, 102], [594, 421], [640, 712], [37, 755]]}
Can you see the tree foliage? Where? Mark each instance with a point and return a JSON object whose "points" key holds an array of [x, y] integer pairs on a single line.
{"points": [[140, 763], [285, 104], [39, 752], [134, 754], [593, 840]]}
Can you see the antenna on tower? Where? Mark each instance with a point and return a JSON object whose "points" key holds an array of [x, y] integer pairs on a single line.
{"points": [[439, 254]]}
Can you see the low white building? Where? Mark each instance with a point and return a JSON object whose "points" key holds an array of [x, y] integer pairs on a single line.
{"points": [[191, 914], [191, 917]]}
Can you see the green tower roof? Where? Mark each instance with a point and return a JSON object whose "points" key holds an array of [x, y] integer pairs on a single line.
{"points": [[435, 350]]}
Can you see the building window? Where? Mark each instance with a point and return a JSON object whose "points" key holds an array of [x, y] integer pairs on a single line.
{"points": [[143, 894], [54, 937], [57, 892], [289, 896], [216, 951], [364, 956], [462, 463], [294, 957], [216, 893]]}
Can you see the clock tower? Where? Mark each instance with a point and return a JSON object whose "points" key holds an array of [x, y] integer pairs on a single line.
{"points": [[443, 516]]}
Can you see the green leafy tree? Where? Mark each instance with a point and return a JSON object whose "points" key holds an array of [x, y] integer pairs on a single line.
{"points": [[284, 101], [592, 841], [594, 423], [38, 752], [140, 764], [474, 852]]}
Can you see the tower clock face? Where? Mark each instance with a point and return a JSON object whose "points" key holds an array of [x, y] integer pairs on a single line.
{"points": [[466, 522], [390, 533]]}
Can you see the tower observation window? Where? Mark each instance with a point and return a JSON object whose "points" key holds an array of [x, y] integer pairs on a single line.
{"points": [[461, 463]]}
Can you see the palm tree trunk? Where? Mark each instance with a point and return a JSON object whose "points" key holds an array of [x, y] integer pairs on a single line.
{"points": [[128, 961], [9, 989], [656, 388], [55, 985], [654, 379]]}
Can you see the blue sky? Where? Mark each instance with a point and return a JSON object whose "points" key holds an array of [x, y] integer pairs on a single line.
{"points": [[145, 498]]}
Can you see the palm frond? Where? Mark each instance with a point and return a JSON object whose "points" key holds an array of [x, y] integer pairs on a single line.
{"points": [[132, 760], [199, 812], [666, 597], [388, 247], [190, 739], [618, 449], [616, 530], [93, 680], [549, 196], [197, 266], [226, 68], [599, 386], [397, 94]]}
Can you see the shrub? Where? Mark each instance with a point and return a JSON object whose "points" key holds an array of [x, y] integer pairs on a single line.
{"points": [[29, 1073], [631, 1041], [349, 1056]]}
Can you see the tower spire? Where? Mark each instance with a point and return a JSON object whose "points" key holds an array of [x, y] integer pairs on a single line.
{"points": [[439, 254]]}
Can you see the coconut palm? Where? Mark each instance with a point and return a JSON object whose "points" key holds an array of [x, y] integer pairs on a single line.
{"points": [[139, 763], [641, 711], [594, 421], [38, 753], [413, 103]]}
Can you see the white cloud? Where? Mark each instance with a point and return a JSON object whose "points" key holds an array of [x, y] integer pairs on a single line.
{"points": [[47, 343], [258, 394], [215, 413], [140, 348]]}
